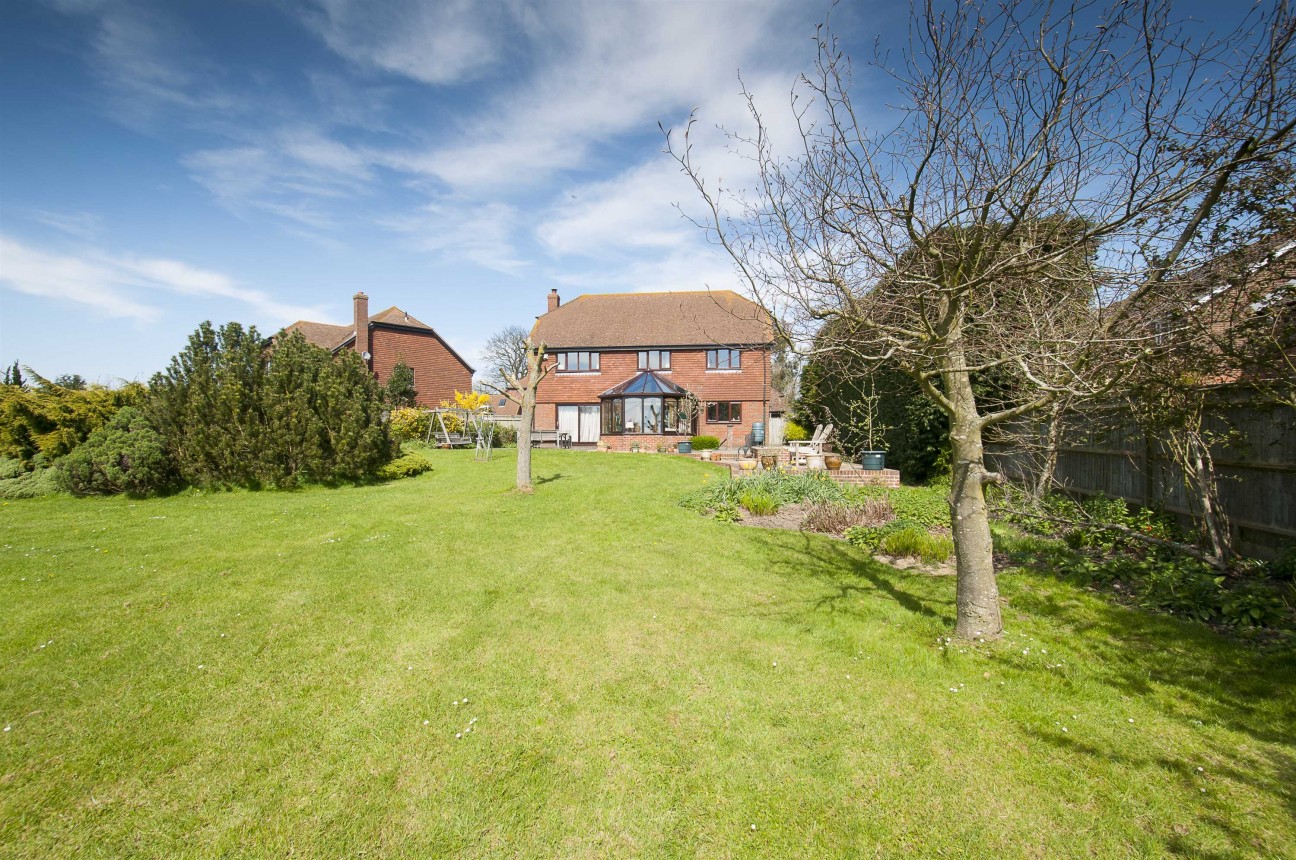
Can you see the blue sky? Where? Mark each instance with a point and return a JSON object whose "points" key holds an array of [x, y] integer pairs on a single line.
{"points": [[169, 162]]}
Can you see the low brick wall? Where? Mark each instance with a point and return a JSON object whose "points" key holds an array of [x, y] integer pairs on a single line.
{"points": [[853, 476]]}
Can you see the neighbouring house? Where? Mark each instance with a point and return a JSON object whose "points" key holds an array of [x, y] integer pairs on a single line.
{"points": [[393, 336], [622, 365]]}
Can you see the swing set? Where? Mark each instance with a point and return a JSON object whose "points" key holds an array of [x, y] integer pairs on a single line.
{"points": [[456, 427]]}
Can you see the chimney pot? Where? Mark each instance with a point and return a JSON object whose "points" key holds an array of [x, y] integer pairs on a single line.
{"points": [[554, 300]]}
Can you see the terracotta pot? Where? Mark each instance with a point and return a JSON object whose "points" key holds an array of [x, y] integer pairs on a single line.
{"points": [[768, 461], [833, 462]]}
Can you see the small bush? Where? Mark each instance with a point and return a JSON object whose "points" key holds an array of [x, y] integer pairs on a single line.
{"points": [[705, 443], [11, 467], [31, 485], [408, 423], [758, 503], [783, 488], [794, 432], [915, 542], [505, 436], [834, 519], [124, 456], [406, 466], [727, 514]]}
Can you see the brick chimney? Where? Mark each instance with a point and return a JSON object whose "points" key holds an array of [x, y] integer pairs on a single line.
{"points": [[362, 344], [554, 300]]}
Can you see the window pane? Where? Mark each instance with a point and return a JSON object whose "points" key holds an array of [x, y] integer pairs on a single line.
{"points": [[711, 412], [735, 411], [594, 361], [607, 416], [643, 361], [633, 415], [735, 358], [711, 358], [652, 414], [617, 409], [665, 360], [562, 361]]}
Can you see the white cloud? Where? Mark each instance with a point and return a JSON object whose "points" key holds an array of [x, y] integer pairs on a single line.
{"points": [[82, 225], [112, 285], [480, 233], [435, 43]]}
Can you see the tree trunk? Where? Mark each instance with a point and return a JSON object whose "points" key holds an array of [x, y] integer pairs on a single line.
{"points": [[1051, 443], [1203, 471], [524, 440], [978, 591], [535, 373]]}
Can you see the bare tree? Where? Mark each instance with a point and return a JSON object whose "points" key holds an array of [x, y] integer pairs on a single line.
{"points": [[523, 386], [1040, 173], [505, 354]]}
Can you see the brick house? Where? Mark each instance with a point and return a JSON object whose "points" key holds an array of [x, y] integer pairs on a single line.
{"points": [[621, 364], [391, 336]]}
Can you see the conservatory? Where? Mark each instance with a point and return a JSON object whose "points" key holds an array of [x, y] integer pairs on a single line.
{"points": [[647, 404]]}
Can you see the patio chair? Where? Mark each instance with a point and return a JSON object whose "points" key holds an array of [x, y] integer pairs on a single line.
{"points": [[813, 445]]}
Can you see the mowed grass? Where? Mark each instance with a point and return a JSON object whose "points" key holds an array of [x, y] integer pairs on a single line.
{"points": [[274, 674]]}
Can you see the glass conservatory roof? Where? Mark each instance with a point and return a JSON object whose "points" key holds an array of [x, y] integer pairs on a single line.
{"points": [[646, 384]]}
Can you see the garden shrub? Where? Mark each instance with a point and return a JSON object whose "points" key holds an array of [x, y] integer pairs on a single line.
{"points": [[31, 485], [759, 503], [124, 456], [505, 436], [232, 413], [785, 489], [50, 420], [794, 432], [705, 443], [406, 466], [834, 519], [11, 467], [407, 424], [916, 542], [399, 391], [924, 506]]}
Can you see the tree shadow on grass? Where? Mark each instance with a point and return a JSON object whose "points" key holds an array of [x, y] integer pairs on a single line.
{"points": [[1135, 653], [556, 476], [1275, 778]]}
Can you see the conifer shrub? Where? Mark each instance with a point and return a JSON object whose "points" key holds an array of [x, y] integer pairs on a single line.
{"points": [[124, 456], [705, 443], [233, 413]]}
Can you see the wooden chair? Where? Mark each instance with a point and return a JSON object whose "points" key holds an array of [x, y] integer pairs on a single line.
{"points": [[800, 448]]}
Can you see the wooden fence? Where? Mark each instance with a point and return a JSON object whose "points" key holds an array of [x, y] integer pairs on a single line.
{"points": [[1256, 468]]}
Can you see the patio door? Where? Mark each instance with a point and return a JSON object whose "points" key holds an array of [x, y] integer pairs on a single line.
{"points": [[589, 424], [581, 423]]}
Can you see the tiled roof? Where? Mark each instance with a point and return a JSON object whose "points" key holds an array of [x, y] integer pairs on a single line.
{"points": [[646, 383], [655, 319], [322, 334], [333, 337]]}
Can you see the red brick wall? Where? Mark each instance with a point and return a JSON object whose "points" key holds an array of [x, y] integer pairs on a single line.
{"points": [[438, 374], [688, 370]]}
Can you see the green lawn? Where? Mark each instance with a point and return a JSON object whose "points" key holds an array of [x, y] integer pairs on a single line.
{"points": [[271, 674]]}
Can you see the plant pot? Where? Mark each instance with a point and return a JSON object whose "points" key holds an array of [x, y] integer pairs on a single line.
{"points": [[747, 465], [768, 461], [815, 462], [684, 447], [873, 461], [833, 462], [634, 449]]}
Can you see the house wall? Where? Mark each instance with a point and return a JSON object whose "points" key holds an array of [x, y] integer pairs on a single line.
{"points": [[748, 385], [438, 374]]}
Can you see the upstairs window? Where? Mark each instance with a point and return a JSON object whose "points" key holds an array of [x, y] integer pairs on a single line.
{"points": [[577, 362], [724, 359], [654, 359]]}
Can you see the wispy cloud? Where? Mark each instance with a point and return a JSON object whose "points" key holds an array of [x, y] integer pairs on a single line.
{"points": [[478, 233], [436, 43], [118, 286], [82, 225]]}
